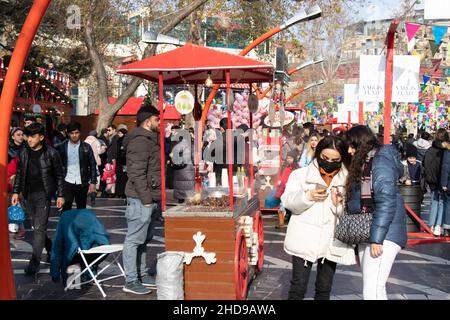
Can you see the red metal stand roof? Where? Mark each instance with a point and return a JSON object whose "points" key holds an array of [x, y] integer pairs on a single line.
{"points": [[190, 64]]}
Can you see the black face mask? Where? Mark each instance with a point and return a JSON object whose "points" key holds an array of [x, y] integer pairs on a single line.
{"points": [[329, 167]]}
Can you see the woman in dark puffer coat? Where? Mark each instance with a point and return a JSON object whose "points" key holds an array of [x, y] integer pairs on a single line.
{"points": [[183, 168], [381, 197]]}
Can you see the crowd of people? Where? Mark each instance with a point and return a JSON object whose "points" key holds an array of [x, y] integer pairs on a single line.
{"points": [[350, 173], [324, 176], [58, 165]]}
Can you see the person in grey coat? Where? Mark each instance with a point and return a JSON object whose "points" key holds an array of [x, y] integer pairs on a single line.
{"points": [[183, 168], [388, 228]]}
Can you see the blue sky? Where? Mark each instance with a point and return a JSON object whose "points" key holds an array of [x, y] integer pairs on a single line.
{"points": [[379, 9]]}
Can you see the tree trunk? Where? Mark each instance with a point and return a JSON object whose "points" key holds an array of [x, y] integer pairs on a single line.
{"points": [[107, 111]]}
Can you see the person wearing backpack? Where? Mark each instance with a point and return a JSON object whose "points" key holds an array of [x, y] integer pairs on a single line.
{"points": [[432, 164]]}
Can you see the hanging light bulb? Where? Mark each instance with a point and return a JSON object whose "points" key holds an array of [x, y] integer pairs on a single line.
{"points": [[208, 81]]}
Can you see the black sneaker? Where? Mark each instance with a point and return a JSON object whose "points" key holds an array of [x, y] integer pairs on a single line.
{"points": [[32, 269]]}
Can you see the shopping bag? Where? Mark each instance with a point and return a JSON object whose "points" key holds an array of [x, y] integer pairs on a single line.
{"points": [[16, 214]]}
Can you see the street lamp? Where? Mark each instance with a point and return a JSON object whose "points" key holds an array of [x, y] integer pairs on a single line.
{"points": [[157, 38], [306, 64], [304, 15]]}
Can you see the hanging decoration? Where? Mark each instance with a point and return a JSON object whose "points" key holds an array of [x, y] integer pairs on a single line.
{"points": [[411, 30], [184, 102], [438, 32]]}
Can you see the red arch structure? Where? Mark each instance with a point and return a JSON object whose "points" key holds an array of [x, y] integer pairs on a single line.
{"points": [[20, 54]]}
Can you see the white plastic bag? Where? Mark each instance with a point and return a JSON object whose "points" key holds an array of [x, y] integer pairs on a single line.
{"points": [[169, 275]]}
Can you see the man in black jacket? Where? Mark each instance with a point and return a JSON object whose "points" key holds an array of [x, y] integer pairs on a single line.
{"points": [[80, 168], [39, 176]]}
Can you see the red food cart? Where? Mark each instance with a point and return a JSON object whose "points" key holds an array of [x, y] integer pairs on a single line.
{"points": [[231, 226]]}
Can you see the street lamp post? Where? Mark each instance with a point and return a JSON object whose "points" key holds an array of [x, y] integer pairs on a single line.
{"points": [[311, 85], [304, 65], [18, 58]]}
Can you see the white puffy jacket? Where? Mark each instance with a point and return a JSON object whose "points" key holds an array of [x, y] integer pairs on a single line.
{"points": [[310, 232]]}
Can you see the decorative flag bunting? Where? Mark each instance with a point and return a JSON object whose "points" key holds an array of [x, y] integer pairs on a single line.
{"points": [[411, 45], [438, 32], [426, 79], [436, 63], [411, 30], [434, 47]]}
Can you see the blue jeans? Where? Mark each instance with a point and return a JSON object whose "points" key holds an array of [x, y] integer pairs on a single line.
{"points": [[446, 222], [140, 232], [437, 208]]}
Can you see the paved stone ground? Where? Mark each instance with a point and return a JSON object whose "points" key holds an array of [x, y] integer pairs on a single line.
{"points": [[420, 271]]}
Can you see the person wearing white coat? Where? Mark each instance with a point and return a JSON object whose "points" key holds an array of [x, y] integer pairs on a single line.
{"points": [[314, 195]]}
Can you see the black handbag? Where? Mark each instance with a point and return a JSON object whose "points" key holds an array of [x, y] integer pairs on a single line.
{"points": [[354, 228]]}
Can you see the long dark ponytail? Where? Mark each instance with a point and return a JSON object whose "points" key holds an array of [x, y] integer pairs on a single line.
{"points": [[363, 140]]}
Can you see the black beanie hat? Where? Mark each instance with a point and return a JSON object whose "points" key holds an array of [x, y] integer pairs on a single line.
{"points": [[146, 112], [410, 151]]}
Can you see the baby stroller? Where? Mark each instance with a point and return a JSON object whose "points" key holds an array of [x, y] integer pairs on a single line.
{"points": [[80, 244]]}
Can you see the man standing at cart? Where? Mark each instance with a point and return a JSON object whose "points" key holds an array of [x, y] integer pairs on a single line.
{"points": [[143, 191]]}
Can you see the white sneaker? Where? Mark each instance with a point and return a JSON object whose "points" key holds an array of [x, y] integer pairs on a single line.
{"points": [[437, 230]]}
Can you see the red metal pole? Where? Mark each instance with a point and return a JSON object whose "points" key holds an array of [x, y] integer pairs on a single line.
{"points": [[361, 112], [230, 148], [250, 155], [349, 124], [389, 80], [161, 142], [292, 96], [19, 56]]}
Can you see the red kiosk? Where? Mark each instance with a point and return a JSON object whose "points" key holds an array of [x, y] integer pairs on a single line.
{"points": [[234, 231]]}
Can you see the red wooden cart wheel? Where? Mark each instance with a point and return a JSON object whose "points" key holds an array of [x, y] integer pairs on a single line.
{"points": [[258, 227], [241, 267]]}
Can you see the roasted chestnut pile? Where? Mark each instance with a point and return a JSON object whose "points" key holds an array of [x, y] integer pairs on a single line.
{"points": [[210, 204]]}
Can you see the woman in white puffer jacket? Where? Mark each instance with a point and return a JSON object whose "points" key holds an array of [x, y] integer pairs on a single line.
{"points": [[314, 195]]}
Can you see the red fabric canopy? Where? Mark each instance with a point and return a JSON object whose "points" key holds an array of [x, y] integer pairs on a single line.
{"points": [[131, 107], [191, 64], [133, 104], [170, 113]]}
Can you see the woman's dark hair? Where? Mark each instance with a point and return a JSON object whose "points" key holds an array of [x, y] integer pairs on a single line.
{"points": [[442, 135], [336, 143], [363, 140], [123, 130]]}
